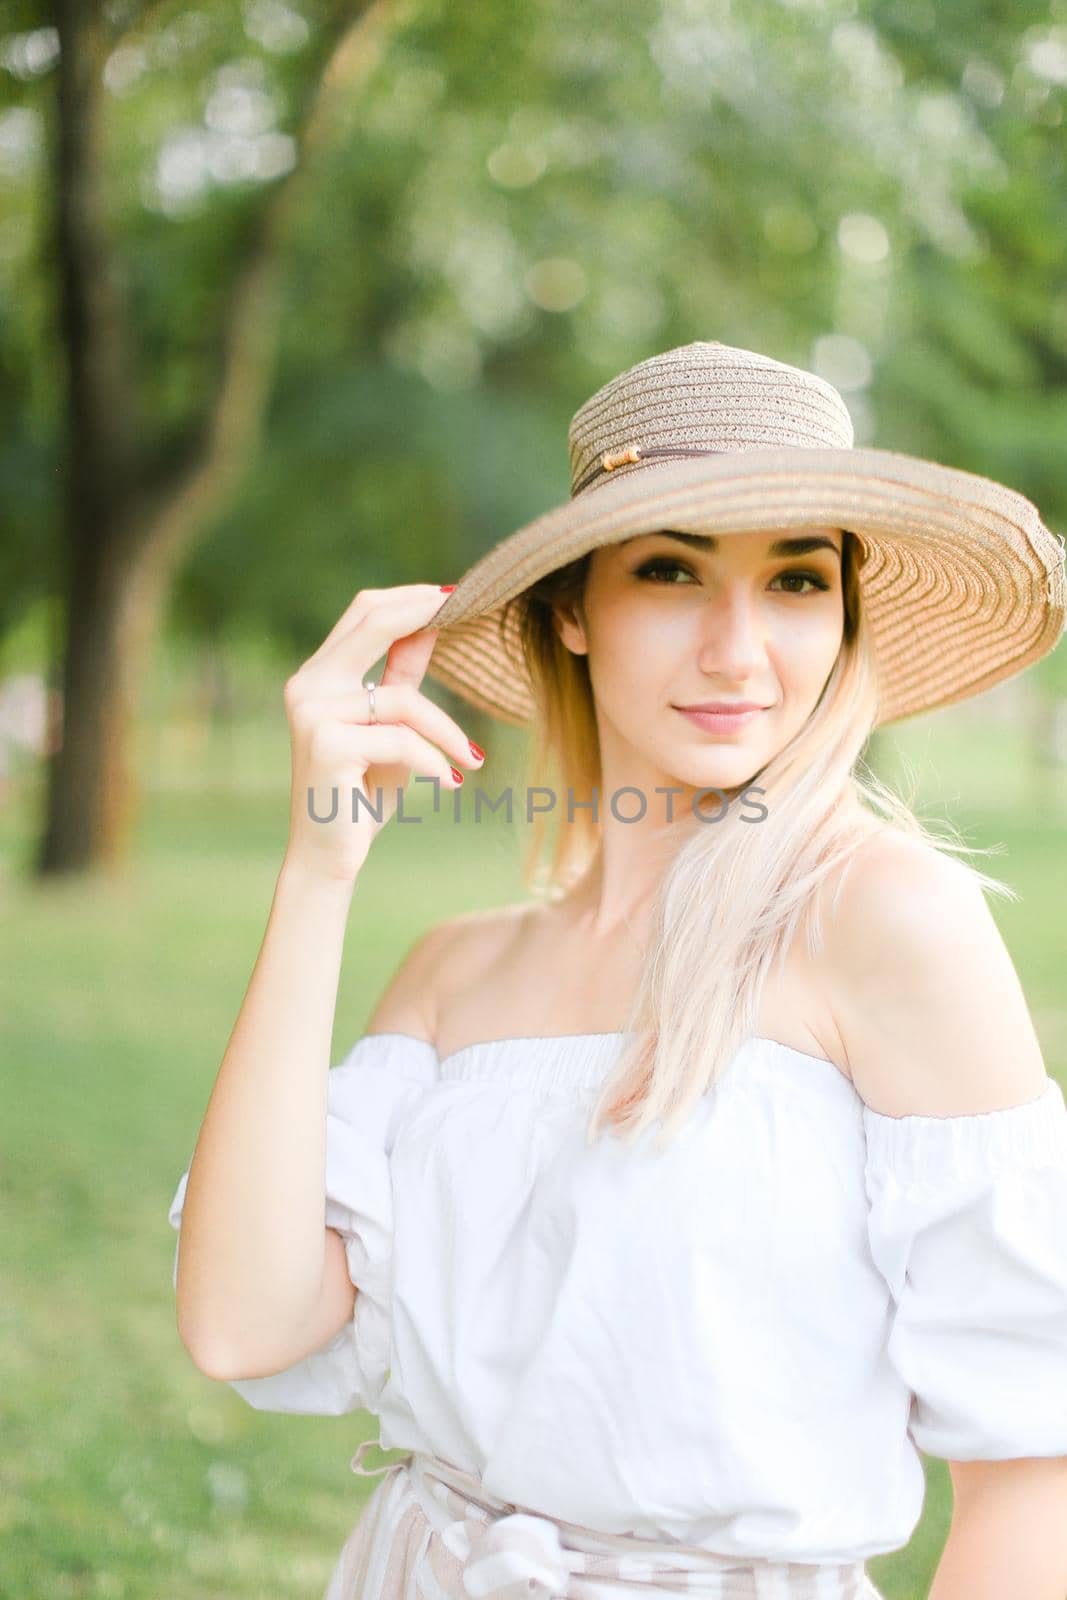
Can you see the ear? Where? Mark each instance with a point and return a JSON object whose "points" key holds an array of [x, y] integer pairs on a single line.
{"points": [[570, 626]]}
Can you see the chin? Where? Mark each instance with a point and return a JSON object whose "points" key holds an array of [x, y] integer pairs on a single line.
{"points": [[726, 763], [732, 773]]}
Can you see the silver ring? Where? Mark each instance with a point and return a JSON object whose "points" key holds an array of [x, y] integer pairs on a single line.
{"points": [[370, 688]]}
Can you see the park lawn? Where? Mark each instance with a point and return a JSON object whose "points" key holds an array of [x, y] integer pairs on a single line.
{"points": [[127, 1472]]}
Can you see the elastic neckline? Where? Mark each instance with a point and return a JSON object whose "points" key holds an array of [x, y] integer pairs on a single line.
{"points": [[583, 1064], [614, 1033], [588, 1060]]}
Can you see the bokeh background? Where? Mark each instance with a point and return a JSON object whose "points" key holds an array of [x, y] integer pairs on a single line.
{"points": [[297, 298]]}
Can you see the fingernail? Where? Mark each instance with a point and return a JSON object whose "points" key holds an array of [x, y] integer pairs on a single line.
{"points": [[479, 755], [446, 588], [457, 775]]}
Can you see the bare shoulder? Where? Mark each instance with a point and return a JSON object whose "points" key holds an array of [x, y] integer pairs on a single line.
{"points": [[923, 990], [892, 874], [461, 944]]}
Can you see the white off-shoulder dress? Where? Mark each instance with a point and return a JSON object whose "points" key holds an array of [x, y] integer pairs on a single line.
{"points": [[736, 1346]]}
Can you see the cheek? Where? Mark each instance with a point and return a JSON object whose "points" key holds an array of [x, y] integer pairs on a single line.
{"points": [[625, 638], [807, 643], [620, 662]]}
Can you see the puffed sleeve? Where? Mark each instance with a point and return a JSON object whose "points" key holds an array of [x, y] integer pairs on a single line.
{"points": [[368, 1096], [968, 1225]]}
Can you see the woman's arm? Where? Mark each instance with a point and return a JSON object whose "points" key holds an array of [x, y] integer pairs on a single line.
{"points": [[933, 1017], [253, 1246], [1007, 1536]]}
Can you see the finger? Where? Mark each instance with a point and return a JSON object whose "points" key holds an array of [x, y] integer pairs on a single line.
{"points": [[408, 657], [400, 703], [387, 742], [402, 632], [412, 604]]}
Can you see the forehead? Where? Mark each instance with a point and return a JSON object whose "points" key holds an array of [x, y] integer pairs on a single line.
{"points": [[769, 542]]}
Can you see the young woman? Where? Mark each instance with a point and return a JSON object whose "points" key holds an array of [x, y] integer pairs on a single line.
{"points": [[670, 1213]]}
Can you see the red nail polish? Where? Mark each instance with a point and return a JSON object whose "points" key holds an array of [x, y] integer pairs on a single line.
{"points": [[457, 775], [446, 588], [479, 755]]}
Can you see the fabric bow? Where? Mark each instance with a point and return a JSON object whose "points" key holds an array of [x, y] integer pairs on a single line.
{"points": [[519, 1549]]}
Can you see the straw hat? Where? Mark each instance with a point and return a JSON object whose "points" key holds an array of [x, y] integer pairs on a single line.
{"points": [[962, 582]]}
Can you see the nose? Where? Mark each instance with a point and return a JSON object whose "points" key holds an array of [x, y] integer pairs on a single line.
{"points": [[732, 634]]}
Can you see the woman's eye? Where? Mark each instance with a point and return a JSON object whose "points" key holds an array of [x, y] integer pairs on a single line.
{"points": [[661, 564], [804, 577]]}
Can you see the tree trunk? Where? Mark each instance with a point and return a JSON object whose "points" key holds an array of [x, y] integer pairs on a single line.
{"points": [[125, 533], [89, 780]]}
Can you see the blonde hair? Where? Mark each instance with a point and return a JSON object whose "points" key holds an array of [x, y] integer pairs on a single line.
{"points": [[734, 893]]}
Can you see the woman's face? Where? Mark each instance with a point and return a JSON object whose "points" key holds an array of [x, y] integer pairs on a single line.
{"points": [[671, 620]]}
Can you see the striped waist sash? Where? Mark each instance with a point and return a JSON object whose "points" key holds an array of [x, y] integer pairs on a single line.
{"points": [[463, 1541]]}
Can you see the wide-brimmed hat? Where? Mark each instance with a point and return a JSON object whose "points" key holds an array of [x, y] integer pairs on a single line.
{"points": [[961, 582]]}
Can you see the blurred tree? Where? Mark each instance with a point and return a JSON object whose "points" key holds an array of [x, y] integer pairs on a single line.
{"points": [[131, 512]]}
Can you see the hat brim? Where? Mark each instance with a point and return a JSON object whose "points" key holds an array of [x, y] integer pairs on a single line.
{"points": [[962, 583]]}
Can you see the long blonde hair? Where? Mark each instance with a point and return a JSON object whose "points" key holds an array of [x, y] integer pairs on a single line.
{"points": [[734, 892]]}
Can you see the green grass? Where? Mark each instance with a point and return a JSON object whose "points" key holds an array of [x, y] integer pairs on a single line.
{"points": [[126, 1472]]}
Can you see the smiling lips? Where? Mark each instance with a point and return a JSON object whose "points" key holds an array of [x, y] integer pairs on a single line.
{"points": [[722, 716], [726, 707]]}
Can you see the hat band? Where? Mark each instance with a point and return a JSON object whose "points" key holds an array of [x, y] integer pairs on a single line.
{"points": [[637, 452]]}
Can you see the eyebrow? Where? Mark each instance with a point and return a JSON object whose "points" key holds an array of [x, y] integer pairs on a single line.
{"points": [[800, 546]]}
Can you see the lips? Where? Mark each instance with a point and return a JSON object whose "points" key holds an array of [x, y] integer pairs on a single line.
{"points": [[726, 707]]}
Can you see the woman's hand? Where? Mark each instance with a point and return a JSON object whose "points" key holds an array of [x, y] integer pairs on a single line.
{"points": [[336, 746]]}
